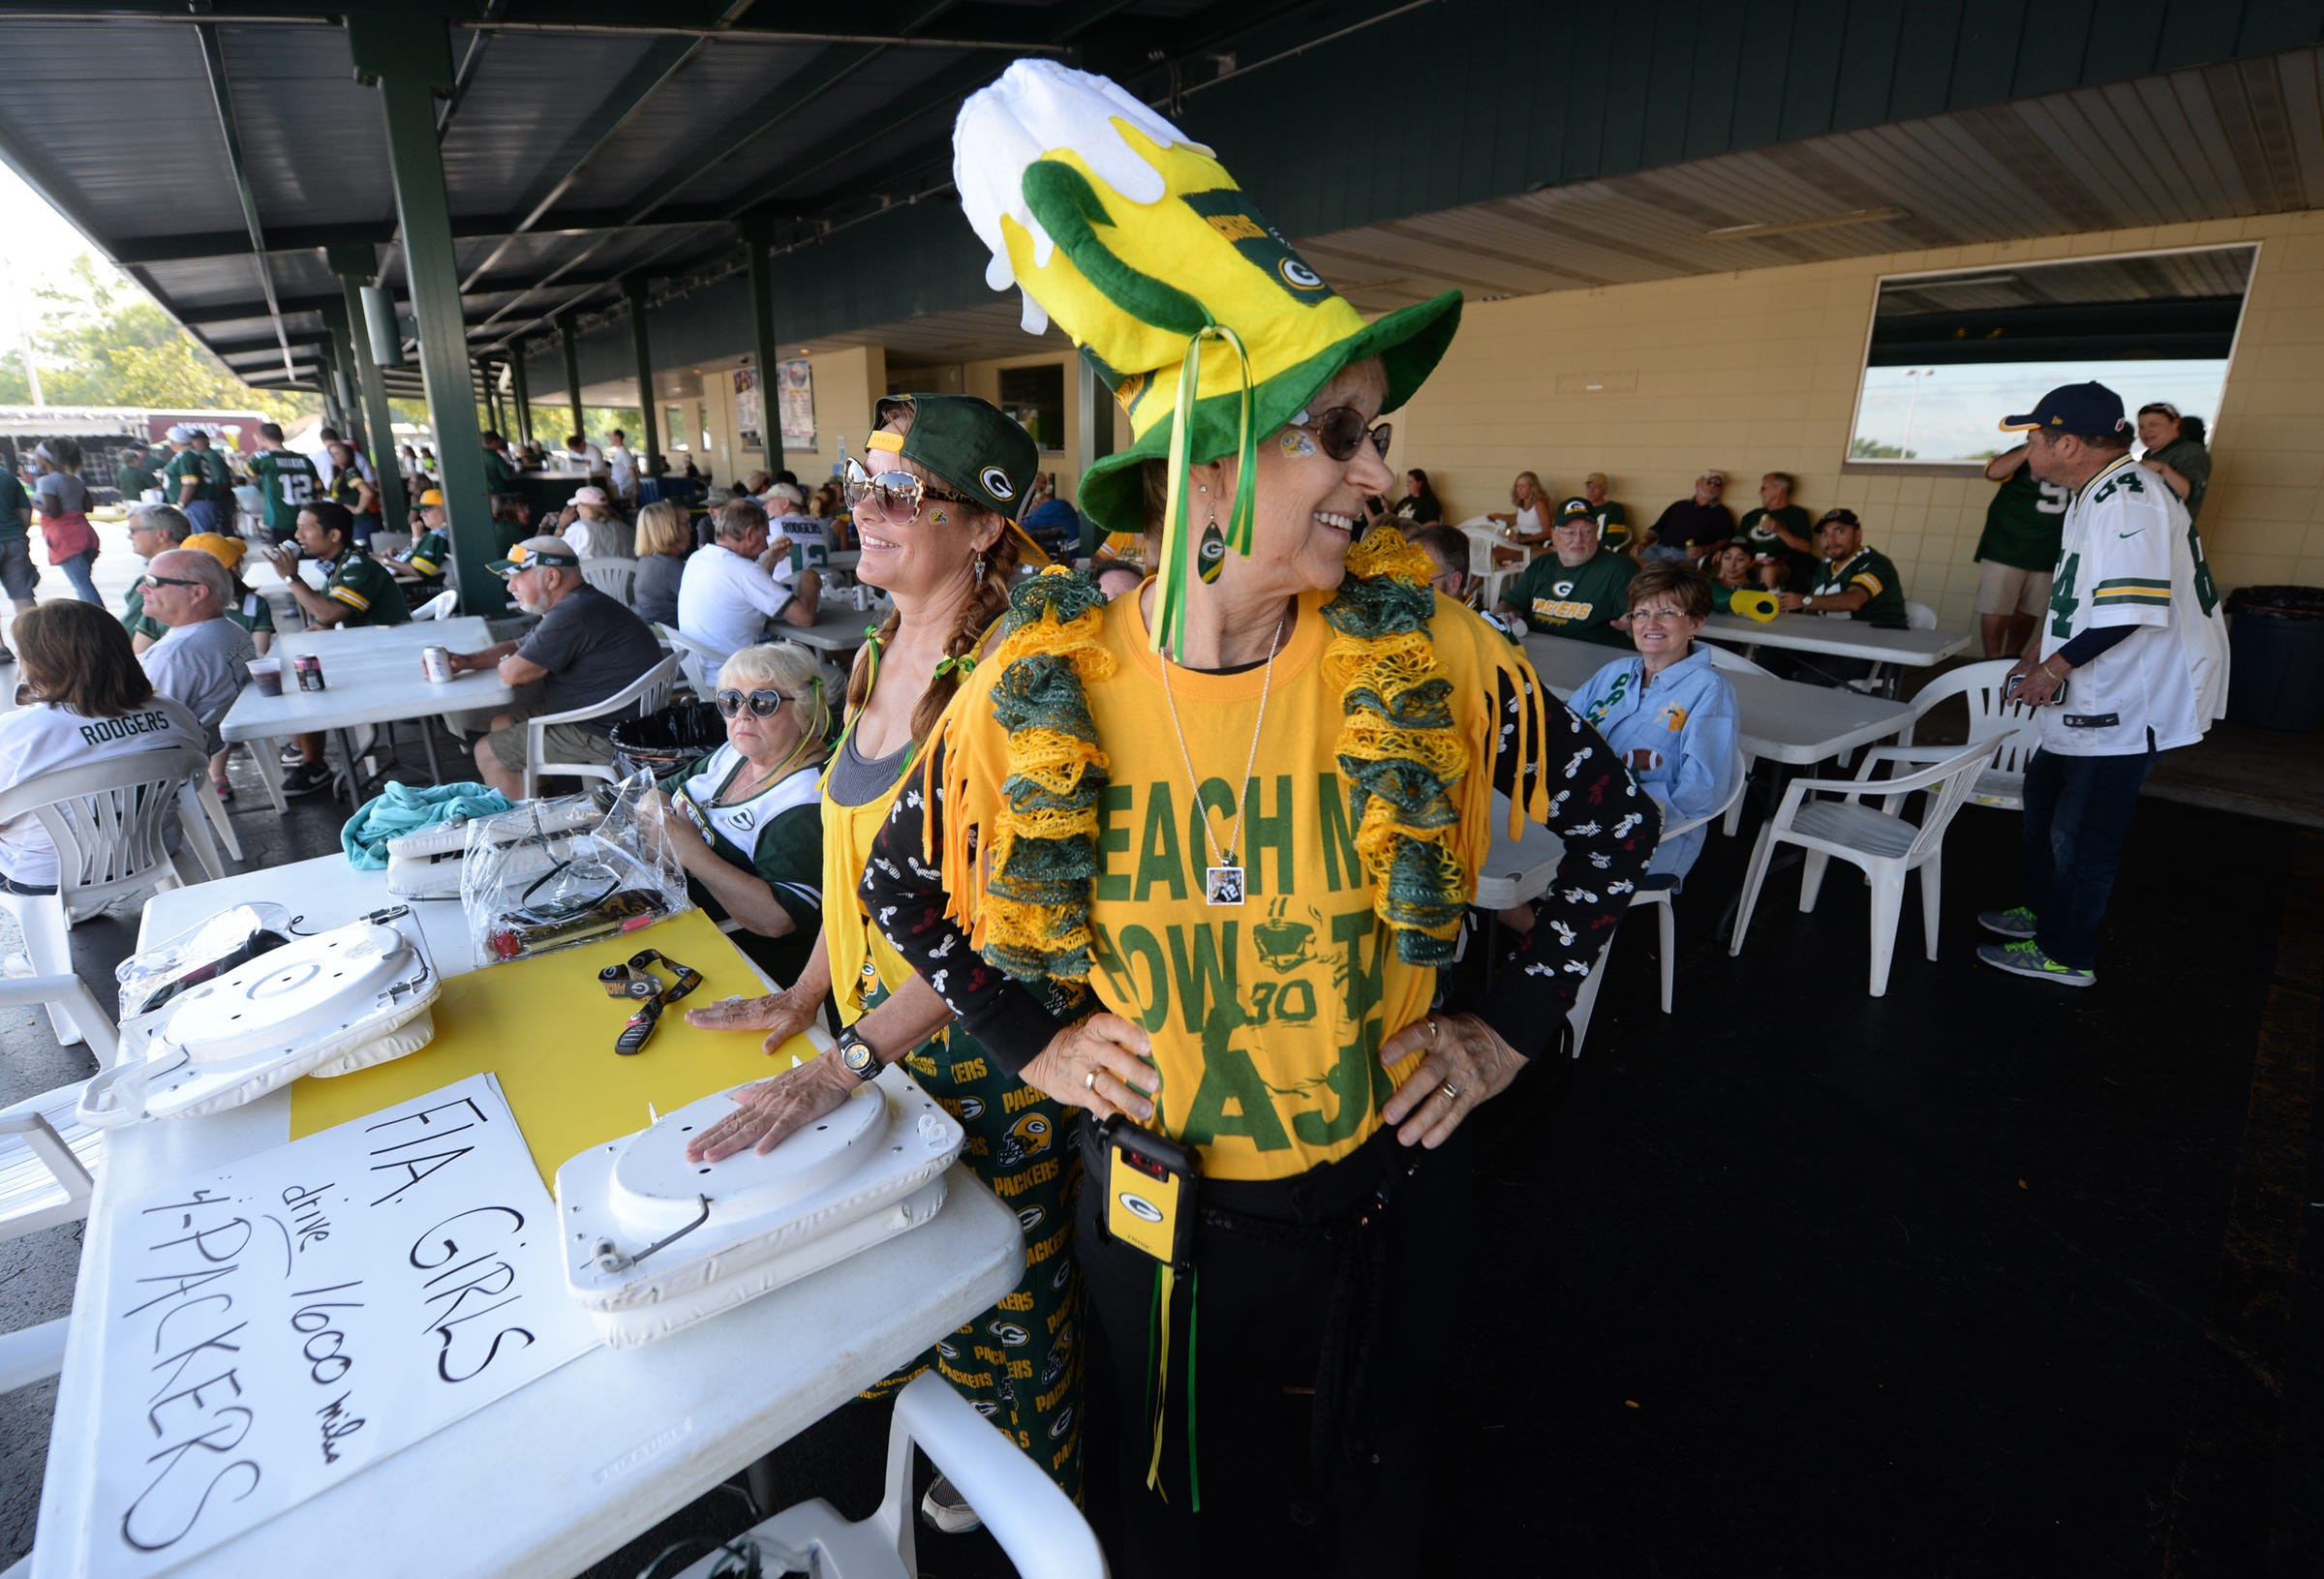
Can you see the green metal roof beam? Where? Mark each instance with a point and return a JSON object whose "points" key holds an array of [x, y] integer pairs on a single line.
{"points": [[222, 95]]}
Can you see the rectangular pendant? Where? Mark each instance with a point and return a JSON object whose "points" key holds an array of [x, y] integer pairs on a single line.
{"points": [[1222, 885]]}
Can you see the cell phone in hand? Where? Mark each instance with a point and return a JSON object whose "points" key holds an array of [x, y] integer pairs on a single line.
{"points": [[2016, 683]]}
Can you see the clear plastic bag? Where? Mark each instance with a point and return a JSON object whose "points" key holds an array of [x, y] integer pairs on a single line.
{"points": [[152, 977], [532, 883]]}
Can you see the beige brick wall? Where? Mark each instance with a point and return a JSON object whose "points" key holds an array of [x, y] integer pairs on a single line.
{"points": [[1757, 372]]}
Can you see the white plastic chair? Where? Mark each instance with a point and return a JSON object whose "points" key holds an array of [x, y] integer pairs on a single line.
{"points": [[439, 607], [1485, 535], [213, 808], [1036, 1524], [1735, 663], [649, 693], [48, 1156], [107, 820], [2012, 724], [698, 661], [611, 575], [1885, 845]]}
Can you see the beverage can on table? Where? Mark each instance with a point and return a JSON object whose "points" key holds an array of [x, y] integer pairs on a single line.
{"points": [[435, 664], [310, 672]]}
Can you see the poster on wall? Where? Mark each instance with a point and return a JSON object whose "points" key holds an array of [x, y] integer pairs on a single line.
{"points": [[795, 390], [747, 408], [275, 1325]]}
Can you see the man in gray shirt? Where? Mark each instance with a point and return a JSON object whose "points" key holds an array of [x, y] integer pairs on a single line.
{"points": [[586, 648], [201, 659]]}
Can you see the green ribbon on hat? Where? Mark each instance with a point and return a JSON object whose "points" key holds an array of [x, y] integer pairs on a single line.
{"points": [[1178, 543]]}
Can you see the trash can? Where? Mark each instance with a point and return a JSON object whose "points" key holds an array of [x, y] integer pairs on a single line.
{"points": [[2275, 657], [663, 743]]}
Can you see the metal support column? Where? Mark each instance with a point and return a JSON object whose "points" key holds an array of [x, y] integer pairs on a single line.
{"points": [[523, 394], [757, 233], [339, 382], [634, 288], [572, 371], [411, 60], [355, 266]]}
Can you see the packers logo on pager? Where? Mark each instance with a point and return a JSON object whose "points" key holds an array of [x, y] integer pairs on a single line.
{"points": [[1139, 1206]]}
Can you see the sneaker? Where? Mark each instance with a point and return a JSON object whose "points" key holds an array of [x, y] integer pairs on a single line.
{"points": [[290, 756], [2017, 922], [2026, 958], [307, 778], [945, 1509]]}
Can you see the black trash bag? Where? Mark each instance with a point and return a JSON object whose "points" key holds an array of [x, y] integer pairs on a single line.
{"points": [[2278, 602], [663, 743]]}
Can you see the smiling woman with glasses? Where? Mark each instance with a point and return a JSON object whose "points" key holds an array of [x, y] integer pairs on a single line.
{"points": [[1669, 711]]}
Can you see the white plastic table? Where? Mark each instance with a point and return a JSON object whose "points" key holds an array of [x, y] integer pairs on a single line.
{"points": [[371, 676], [839, 626], [560, 1473], [1840, 638], [1783, 720]]}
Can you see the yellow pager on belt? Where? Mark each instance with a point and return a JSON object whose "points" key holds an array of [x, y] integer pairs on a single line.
{"points": [[1150, 1191]]}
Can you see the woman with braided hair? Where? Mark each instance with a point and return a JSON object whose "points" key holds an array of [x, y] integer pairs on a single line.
{"points": [[934, 502], [1190, 861]]}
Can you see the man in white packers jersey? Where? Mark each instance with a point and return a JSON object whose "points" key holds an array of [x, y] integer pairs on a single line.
{"points": [[2129, 662]]}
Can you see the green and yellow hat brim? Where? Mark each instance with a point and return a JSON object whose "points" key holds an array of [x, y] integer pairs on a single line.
{"points": [[1409, 342]]}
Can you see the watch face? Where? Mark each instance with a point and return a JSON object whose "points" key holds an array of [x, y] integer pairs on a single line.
{"points": [[857, 1054]]}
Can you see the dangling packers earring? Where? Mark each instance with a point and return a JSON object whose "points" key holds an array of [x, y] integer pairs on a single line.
{"points": [[980, 566], [1212, 550]]}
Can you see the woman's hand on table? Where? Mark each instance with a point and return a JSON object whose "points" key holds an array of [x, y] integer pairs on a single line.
{"points": [[1462, 1053], [777, 1014], [767, 1111], [1100, 1065]]}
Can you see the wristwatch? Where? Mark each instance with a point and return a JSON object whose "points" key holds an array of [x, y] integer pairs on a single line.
{"points": [[856, 1055]]}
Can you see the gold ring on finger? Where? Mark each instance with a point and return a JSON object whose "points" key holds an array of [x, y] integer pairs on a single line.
{"points": [[1449, 1091], [1432, 1031]]}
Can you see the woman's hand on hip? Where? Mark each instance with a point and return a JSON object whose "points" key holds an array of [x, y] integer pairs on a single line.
{"points": [[777, 1014], [769, 1111], [1099, 1065], [1465, 1063]]}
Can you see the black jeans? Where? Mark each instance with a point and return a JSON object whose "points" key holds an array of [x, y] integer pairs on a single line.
{"points": [[1273, 1271], [2077, 815]]}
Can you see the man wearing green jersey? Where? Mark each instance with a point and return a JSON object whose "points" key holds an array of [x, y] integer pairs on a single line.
{"points": [[1579, 590], [356, 591], [134, 476], [286, 480], [186, 483], [2016, 553]]}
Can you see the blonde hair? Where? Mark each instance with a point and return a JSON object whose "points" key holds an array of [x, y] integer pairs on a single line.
{"points": [[1539, 498], [785, 667], [663, 528]]}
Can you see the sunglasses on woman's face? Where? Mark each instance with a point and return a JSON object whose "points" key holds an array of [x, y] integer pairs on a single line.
{"points": [[899, 494], [1342, 428], [762, 704]]}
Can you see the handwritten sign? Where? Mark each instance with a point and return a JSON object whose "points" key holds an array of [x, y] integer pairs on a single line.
{"points": [[273, 1327]]}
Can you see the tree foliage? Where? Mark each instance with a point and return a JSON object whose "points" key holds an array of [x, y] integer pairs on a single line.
{"points": [[101, 342]]}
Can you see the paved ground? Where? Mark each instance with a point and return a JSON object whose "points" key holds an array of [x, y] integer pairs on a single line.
{"points": [[1978, 1278]]}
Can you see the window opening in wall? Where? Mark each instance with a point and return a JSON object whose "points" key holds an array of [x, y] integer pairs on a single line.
{"points": [[1036, 396], [1951, 354]]}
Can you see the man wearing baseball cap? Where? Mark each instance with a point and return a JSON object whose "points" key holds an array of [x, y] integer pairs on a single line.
{"points": [[586, 648], [1579, 590], [2131, 663], [187, 481]]}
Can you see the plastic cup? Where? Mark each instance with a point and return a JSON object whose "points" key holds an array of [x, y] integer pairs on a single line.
{"points": [[268, 675]]}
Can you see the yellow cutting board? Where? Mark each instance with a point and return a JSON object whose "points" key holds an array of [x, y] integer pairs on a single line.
{"points": [[546, 1029]]}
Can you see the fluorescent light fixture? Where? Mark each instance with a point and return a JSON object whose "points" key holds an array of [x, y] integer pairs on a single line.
{"points": [[1829, 222]]}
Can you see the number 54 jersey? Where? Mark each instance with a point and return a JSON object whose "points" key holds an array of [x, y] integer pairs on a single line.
{"points": [[2130, 556]]}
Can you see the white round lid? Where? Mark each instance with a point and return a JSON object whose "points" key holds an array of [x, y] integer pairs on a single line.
{"points": [[652, 1177], [289, 997]]}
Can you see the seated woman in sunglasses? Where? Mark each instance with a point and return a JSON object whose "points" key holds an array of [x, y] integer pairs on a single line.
{"points": [[750, 829], [934, 514]]}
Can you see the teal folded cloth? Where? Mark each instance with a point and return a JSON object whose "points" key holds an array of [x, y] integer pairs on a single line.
{"points": [[407, 809]]}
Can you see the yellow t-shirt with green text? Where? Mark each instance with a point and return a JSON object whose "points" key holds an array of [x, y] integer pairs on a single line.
{"points": [[1266, 1018]]}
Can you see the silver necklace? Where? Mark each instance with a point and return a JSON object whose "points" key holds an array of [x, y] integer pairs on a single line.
{"points": [[1222, 880]]}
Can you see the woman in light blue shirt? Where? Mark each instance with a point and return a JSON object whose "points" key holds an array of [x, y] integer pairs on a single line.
{"points": [[1669, 714]]}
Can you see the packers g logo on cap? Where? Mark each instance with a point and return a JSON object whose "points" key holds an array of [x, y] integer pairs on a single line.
{"points": [[997, 482]]}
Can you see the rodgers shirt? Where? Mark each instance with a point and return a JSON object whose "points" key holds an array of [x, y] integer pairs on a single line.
{"points": [[2131, 557], [288, 483], [1582, 601]]}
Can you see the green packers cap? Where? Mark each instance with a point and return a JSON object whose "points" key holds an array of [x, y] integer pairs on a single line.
{"points": [[973, 447], [1574, 508], [536, 554]]}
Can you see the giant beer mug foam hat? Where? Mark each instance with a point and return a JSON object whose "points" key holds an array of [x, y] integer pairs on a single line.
{"points": [[1211, 331]]}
